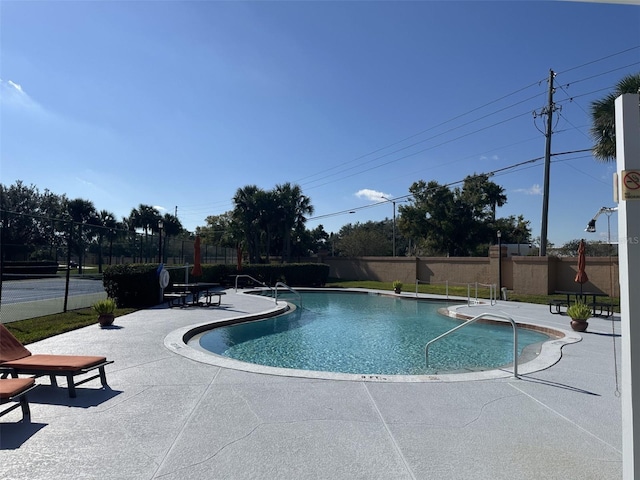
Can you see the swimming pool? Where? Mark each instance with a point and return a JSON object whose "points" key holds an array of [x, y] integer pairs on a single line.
{"points": [[367, 334]]}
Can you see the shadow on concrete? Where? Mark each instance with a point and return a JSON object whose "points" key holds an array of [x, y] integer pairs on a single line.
{"points": [[86, 397], [13, 435], [528, 378]]}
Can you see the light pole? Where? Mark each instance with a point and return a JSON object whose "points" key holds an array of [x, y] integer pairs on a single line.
{"points": [[394, 223], [499, 234], [591, 228], [160, 225]]}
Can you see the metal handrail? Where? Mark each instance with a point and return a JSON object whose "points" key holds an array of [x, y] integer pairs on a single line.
{"points": [[254, 279], [474, 319], [280, 284]]}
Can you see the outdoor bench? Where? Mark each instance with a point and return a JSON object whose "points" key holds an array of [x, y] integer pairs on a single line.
{"points": [[598, 309], [210, 296], [175, 298], [557, 304]]}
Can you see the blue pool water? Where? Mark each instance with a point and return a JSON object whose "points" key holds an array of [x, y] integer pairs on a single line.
{"points": [[367, 334]]}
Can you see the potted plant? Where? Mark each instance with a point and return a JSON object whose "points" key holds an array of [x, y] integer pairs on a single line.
{"points": [[104, 309], [579, 312], [397, 286]]}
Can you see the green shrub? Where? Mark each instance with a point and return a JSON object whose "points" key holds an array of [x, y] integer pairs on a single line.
{"points": [[579, 311], [132, 285], [108, 305], [137, 285]]}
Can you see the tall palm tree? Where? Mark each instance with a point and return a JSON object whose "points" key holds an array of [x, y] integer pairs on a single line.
{"points": [[246, 214], [105, 226], [603, 114], [145, 217], [81, 212], [495, 196], [293, 206]]}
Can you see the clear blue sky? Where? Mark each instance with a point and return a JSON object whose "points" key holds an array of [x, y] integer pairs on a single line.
{"points": [[179, 104]]}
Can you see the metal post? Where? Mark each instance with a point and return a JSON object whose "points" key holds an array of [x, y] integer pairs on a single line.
{"points": [[394, 228], [627, 126], [547, 166], [160, 225], [499, 261]]}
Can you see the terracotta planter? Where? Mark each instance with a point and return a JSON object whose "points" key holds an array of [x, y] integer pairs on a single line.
{"points": [[106, 319], [579, 325]]}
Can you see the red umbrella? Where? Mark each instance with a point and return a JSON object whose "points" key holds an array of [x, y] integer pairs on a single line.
{"points": [[196, 271], [581, 276]]}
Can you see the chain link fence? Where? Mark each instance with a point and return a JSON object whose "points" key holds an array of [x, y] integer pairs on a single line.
{"points": [[50, 266]]}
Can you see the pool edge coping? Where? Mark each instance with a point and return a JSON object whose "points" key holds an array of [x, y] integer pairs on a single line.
{"points": [[550, 351]]}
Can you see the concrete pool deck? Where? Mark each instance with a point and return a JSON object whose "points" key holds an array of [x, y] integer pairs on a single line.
{"points": [[172, 417]]}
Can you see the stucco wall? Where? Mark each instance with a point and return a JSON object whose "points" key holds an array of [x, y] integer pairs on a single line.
{"points": [[527, 275]]}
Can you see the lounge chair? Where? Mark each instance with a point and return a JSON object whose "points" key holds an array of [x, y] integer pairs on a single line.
{"points": [[15, 360], [15, 390]]}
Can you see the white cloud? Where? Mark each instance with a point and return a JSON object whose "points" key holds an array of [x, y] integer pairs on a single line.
{"points": [[159, 208], [535, 189], [372, 195], [14, 85], [492, 157], [13, 95]]}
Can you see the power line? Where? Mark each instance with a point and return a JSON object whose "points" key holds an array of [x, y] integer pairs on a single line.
{"points": [[599, 59], [341, 168], [491, 173], [423, 131]]}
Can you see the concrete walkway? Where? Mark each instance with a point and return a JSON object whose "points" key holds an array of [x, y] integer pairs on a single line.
{"points": [[168, 416]]}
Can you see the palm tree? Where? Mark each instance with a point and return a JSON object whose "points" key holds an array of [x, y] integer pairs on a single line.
{"points": [[105, 226], [246, 214], [145, 217], [495, 196], [81, 212], [293, 206], [603, 114]]}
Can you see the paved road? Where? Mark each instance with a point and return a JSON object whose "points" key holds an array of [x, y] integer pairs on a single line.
{"points": [[20, 291]]}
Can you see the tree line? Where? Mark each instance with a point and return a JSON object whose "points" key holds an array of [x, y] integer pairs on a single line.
{"points": [[39, 225]]}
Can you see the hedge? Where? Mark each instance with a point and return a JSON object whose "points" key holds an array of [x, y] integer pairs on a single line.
{"points": [[137, 285], [132, 285]]}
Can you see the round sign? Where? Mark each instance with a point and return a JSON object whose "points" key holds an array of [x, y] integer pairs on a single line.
{"points": [[164, 278]]}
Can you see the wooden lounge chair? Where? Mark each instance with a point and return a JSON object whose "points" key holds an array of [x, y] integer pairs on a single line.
{"points": [[15, 390], [15, 360]]}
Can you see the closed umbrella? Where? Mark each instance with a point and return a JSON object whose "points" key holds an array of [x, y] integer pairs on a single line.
{"points": [[196, 271], [581, 276]]}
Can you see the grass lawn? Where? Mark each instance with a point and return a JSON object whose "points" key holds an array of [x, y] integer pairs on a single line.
{"points": [[38, 328], [459, 291]]}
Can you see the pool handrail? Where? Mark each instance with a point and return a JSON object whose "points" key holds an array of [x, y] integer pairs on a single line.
{"points": [[281, 284], [473, 320], [254, 279]]}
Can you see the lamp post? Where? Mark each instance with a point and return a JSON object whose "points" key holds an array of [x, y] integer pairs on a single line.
{"points": [[394, 223], [499, 234], [160, 225], [591, 228]]}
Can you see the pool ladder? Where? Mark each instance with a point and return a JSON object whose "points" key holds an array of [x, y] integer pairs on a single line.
{"points": [[254, 279], [273, 291], [284, 285], [473, 320]]}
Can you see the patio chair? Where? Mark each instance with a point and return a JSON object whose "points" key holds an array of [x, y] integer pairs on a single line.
{"points": [[15, 360], [15, 390]]}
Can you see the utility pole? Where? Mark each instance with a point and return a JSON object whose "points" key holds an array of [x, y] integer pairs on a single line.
{"points": [[393, 243], [548, 111]]}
